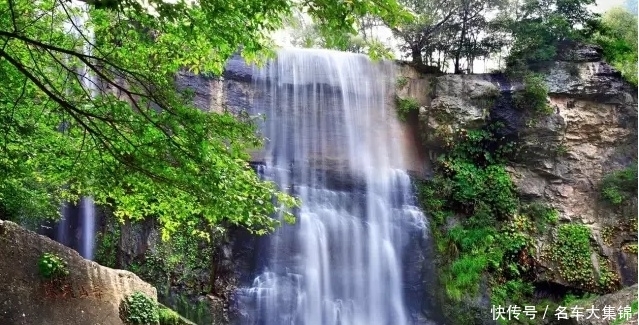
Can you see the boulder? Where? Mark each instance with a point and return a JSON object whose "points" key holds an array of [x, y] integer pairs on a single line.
{"points": [[459, 102], [89, 294]]}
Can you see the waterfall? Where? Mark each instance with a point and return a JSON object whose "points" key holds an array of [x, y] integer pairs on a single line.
{"points": [[333, 142], [80, 234]]}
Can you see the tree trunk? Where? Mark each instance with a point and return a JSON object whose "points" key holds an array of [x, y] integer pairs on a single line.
{"points": [[416, 54], [462, 37]]}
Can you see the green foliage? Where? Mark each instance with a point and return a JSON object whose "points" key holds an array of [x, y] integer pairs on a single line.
{"points": [[405, 106], [52, 266], [619, 186], [107, 244], [511, 292], [608, 280], [571, 250], [477, 183], [184, 259], [634, 308], [167, 316], [631, 249], [481, 147], [539, 26], [542, 214], [140, 148], [534, 96], [562, 149], [197, 311], [401, 82], [617, 35], [473, 185], [138, 308]]}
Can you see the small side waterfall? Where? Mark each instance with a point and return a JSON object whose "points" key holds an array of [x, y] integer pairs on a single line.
{"points": [[76, 229], [332, 141]]}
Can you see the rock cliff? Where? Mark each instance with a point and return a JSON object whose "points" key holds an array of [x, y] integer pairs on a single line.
{"points": [[90, 294], [563, 157]]}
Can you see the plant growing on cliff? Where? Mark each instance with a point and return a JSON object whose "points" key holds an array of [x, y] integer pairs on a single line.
{"points": [[185, 258], [533, 97], [52, 266], [619, 186], [107, 244], [473, 185], [571, 250], [542, 214], [405, 106], [401, 82], [167, 316], [139, 308]]}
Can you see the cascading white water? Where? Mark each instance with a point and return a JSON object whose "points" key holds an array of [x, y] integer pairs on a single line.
{"points": [[333, 141]]}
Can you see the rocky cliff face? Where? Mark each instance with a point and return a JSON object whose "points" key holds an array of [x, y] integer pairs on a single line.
{"points": [[563, 157], [90, 294]]}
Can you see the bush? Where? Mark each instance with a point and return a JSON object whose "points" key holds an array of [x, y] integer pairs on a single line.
{"points": [[168, 317], [542, 214], [107, 245], [534, 96], [138, 308], [620, 185], [52, 266], [404, 106], [401, 82]]}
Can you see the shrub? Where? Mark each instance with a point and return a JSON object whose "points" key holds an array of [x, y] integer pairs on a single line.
{"points": [[534, 96], [168, 317], [542, 214], [404, 106], [401, 82], [620, 185], [138, 308], [107, 244], [52, 266]]}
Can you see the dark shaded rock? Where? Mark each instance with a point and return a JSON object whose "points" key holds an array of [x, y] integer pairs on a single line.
{"points": [[579, 52], [587, 80], [622, 298], [236, 69]]}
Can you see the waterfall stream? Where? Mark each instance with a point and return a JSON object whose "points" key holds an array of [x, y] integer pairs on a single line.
{"points": [[333, 142], [76, 228]]}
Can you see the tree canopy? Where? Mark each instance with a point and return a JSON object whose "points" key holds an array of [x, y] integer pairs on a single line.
{"points": [[460, 31], [617, 35], [89, 106]]}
